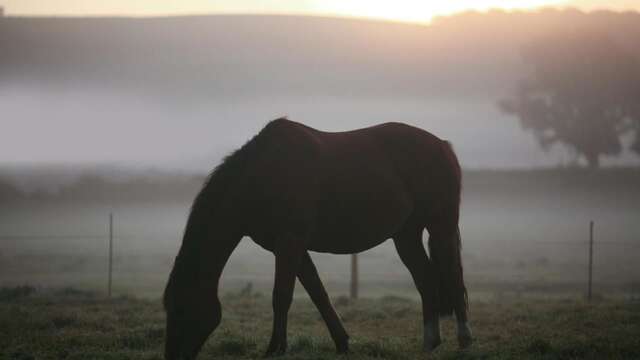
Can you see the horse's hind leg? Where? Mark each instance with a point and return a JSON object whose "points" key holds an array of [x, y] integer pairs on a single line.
{"points": [[412, 253], [309, 278]]}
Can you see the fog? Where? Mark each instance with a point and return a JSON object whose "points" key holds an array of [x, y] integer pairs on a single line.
{"points": [[110, 128], [126, 116], [85, 91], [523, 232]]}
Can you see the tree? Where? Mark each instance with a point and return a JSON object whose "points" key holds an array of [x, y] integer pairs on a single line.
{"points": [[583, 91]]}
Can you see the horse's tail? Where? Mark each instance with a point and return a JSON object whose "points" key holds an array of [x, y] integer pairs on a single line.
{"points": [[446, 246], [452, 293]]}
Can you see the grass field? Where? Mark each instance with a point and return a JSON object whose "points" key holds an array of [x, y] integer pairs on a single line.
{"points": [[70, 324]]}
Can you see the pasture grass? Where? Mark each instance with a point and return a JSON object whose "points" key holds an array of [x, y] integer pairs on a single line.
{"points": [[72, 324]]}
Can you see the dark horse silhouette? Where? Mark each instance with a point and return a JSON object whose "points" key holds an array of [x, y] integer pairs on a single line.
{"points": [[294, 189]]}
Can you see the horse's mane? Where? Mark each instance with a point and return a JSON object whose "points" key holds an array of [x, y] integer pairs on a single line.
{"points": [[214, 187], [219, 179]]}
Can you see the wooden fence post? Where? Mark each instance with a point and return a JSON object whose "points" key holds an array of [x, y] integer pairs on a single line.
{"points": [[110, 253], [589, 290], [354, 276]]}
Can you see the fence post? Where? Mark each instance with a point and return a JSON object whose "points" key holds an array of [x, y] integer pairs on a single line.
{"points": [[110, 253], [354, 276], [589, 291]]}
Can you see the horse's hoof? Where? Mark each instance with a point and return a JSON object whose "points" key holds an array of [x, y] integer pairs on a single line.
{"points": [[270, 354], [464, 342], [342, 348], [275, 349], [432, 335], [465, 339], [431, 345]]}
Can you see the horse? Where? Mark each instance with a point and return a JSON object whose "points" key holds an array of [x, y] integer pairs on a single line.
{"points": [[293, 189]]}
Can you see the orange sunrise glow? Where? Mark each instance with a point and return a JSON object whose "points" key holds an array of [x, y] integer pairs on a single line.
{"points": [[399, 10]]}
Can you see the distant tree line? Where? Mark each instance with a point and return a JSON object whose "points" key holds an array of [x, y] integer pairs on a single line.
{"points": [[8, 192], [583, 91], [96, 189]]}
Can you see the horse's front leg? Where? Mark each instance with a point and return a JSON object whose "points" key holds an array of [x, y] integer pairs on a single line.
{"points": [[289, 253], [309, 278]]}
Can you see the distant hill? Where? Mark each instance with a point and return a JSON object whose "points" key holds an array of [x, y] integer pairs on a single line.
{"points": [[471, 54]]}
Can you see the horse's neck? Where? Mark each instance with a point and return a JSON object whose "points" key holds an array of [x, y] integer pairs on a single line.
{"points": [[209, 240], [213, 230], [208, 243]]}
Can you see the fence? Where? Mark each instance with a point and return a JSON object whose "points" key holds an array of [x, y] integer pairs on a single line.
{"points": [[355, 286]]}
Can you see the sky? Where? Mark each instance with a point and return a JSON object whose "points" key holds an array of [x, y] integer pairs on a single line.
{"points": [[398, 10]]}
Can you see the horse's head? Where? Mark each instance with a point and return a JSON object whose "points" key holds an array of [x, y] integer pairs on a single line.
{"points": [[193, 313]]}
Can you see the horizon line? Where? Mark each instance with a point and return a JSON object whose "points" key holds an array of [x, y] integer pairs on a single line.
{"points": [[327, 15]]}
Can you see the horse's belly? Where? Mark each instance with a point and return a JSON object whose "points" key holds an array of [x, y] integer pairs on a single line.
{"points": [[345, 245], [357, 223]]}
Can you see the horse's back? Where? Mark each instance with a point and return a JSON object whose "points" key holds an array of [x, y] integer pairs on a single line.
{"points": [[361, 184]]}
